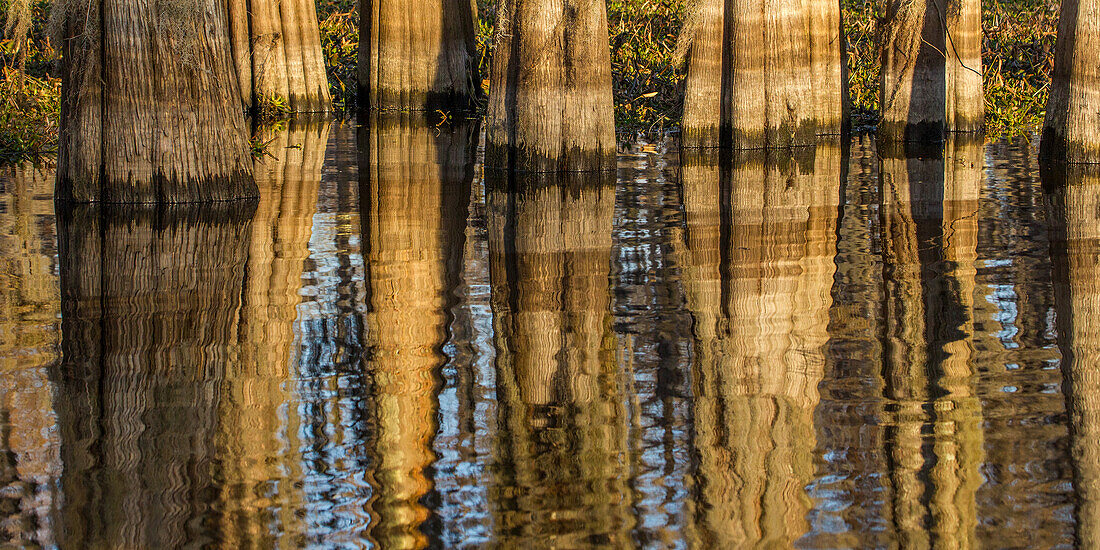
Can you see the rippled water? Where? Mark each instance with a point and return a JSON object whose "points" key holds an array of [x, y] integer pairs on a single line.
{"points": [[396, 348]]}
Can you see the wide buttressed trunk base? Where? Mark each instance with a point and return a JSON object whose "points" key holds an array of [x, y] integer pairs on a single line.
{"points": [[550, 106], [931, 81], [1071, 132], [149, 109], [762, 75], [277, 54], [418, 55]]}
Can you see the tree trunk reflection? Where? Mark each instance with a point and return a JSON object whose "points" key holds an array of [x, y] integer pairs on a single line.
{"points": [[414, 193], [932, 415], [1073, 207], [758, 271], [561, 476], [150, 302]]}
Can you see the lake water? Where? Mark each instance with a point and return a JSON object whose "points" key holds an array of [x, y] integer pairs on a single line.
{"points": [[396, 348]]}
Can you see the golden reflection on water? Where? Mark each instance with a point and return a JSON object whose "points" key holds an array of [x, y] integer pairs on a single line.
{"points": [[836, 366], [1073, 203], [930, 226], [414, 192], [561, 439], [757, 272], [150, 303], [28, 347], [258, 438]]}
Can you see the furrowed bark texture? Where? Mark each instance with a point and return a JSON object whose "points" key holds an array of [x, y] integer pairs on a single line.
{"points": [[277, 53], [149, 105], [1071, 131], [550, 106], [931, 79], [418, 55], [764, 74], [414, 194]]}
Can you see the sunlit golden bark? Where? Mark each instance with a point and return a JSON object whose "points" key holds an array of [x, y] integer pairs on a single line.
{"points": [[930, 204], [150, 301], [550, 105], [29, 306], [414, 193], [561, 474], [418, 55], [149, 105], [758, 274], [763, 74], [1071, 131], [258, 423], [931, 81], [277, 54], [1073, 207]]}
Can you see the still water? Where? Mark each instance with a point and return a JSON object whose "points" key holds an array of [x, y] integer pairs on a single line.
{"points": [[395, 348]]}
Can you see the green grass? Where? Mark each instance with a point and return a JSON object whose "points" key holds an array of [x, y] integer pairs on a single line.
{"points": [[1017, 52]]}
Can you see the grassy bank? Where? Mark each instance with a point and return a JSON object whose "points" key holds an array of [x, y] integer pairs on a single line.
{"points": [[1017, 53]]}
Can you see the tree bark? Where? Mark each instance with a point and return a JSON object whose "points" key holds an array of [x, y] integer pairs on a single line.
{"points": [[1071, 131], [764, 74], [149, 301], [277, 54], [418, 55], [758, 266], [550, 106], [931, 81], [414, 196], [149, 111]]}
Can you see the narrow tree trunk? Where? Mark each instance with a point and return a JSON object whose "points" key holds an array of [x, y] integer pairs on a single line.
{"points": [[758, 268], [764, 74], [931, 81], [149, 105], [1072, 128], [414, 195], [418, 55], [277, 54], [149, 300], [550, 106]]}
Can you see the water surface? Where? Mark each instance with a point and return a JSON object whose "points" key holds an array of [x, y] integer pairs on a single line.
{"points": [[395, 348]]}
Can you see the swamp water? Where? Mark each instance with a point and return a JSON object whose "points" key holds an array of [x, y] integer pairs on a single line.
{"points": [[394, 348]]}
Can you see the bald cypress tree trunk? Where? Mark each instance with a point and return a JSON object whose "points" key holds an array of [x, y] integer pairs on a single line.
{"points": [[763, 74], [550, 106], [1072, 128], [149, 105], [418, 55], [931, 79], [277, 54]]}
